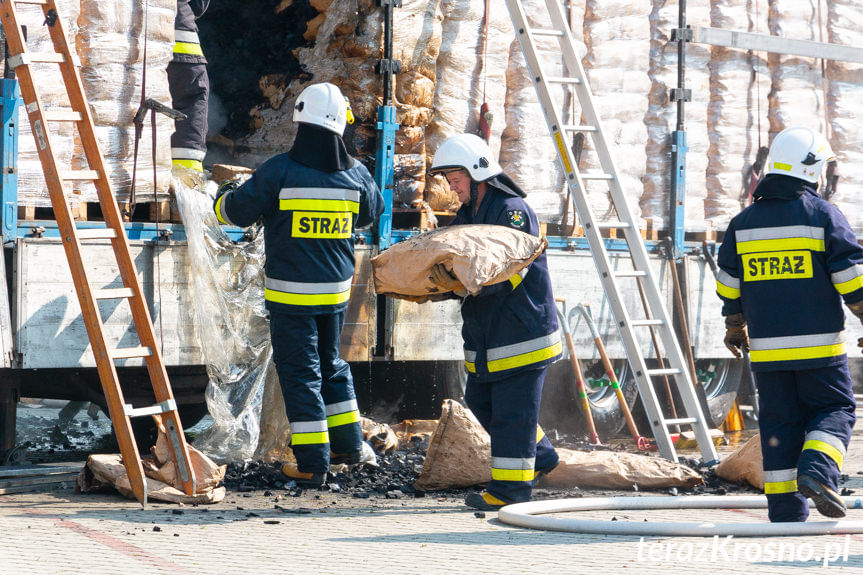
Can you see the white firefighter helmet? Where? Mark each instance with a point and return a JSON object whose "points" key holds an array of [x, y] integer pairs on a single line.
{"points": [[324, 105], [799, 152], [469, 152]]}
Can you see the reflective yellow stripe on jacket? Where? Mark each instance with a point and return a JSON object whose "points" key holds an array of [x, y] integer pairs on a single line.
{"points": [[848, 280], [796, 347], [727, 285], [299, 293], [782, 238], [319, 200], [186, 42]]}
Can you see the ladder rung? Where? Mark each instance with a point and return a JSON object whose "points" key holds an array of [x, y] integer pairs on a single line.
{"points": [[30, 2], [63, 116], [113, 293], [612, 225], [630, 274], [646, 322], [597, 176], [562, 80], [579, 128], [669, 371], [79, 175], [96, 233], [546, 32], [128, 352], [681, 421], [27, 58], [167, 405]]}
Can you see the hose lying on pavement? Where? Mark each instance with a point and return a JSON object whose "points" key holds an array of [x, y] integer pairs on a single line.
{"points": [[529, 515]]}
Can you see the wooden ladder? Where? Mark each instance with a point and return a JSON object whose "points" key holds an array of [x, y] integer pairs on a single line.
{"points": [[165, 409]]}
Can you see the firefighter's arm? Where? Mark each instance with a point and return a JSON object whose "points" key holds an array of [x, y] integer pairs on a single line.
{"points": [[199, 7], [242, 206], [518, 219], [728, 277], [371, 202], [845, 261]]}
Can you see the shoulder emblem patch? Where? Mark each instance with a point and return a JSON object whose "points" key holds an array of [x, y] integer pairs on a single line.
{"points": [[517, 218]]}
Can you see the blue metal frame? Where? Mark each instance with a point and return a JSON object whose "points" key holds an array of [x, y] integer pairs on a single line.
{"points": [[384, 171], [11, 99], [678, 190]]}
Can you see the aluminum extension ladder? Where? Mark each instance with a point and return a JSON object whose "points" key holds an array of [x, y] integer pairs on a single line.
{"points": [[165, 410], [657, 317]]}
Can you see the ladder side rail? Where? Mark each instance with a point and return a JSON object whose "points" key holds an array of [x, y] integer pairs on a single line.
{"points": [[65, 222], [585, 213]]}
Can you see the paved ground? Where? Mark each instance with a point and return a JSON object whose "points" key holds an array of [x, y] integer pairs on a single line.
{"points": [[65, 532]]}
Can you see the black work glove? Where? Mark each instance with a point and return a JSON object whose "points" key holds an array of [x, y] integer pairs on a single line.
{"points": [[857, 309], [736, 338], [227, 186]]}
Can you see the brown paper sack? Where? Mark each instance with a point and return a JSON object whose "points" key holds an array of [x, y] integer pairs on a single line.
{"points": [[107, 471], [744, 465], [478, 255], [459, 453], [614, 470]]}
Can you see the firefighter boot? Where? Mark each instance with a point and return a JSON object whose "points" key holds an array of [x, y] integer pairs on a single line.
{"points": [[303, 479], [484, 501], [826, 500]]}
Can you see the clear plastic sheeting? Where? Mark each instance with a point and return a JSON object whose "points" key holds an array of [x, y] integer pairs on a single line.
{"points": [[232, 326]]}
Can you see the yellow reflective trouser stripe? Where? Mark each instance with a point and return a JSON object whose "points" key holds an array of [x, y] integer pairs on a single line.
{"points": [[525, 358], [727, 292], [310, 438], [320, 205], [471, 366], [775, 487], [188, 48], [307, 298], [850, 285], [795, 353], [780, 244], [219, 209], [512, 474], [515, 281], [191, 164], [539, 434], [826, 449], [343, 419]]}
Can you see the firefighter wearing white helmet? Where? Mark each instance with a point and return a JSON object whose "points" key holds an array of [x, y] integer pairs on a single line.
{"points": [[799, 152], [510, 329], [787, 263], [311, 198], [324, 105]]}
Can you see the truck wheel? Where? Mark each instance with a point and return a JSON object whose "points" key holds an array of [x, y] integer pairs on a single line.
{"points": [[721, 379], [604, 405]]}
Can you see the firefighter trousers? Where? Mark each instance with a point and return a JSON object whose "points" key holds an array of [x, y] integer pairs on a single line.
{"points": [[317, 386], [508, 408], [190, 92], [806, 419]]}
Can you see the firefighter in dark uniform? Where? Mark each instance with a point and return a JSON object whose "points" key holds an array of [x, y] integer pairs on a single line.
{"points": [[190, 89], [510, 329], [311, 198], [787, 262]]}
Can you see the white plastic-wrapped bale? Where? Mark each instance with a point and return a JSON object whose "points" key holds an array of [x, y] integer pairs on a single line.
{"points": [[737, 80], [662, 116], [617, 35], [32, 190], [845, 91], [110, 42], [527, 153]]}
